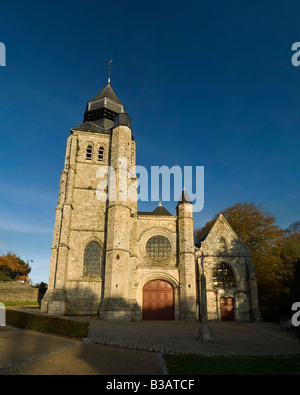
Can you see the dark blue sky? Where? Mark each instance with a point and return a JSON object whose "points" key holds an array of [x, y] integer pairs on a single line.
{"points": [[206, 84]]}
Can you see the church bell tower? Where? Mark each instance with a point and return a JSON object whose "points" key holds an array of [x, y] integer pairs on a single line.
{"points": [[90, 256]]}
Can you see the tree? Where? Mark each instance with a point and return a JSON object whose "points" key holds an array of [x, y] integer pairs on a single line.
{"points": [[255, 226], [293, 228], [257, 229], [12, 266], [291, 256]]}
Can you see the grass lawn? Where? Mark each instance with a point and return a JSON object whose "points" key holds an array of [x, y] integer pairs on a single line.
{"points": [[198, 365]]}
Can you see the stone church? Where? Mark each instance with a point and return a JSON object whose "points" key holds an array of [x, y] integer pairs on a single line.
{"points": [[109, 259]]}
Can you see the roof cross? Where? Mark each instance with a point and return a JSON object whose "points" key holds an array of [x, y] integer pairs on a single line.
{"points": [[109, 68]]}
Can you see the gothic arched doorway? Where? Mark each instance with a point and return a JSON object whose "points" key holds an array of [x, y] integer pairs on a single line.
{"points": [[158, 300]]}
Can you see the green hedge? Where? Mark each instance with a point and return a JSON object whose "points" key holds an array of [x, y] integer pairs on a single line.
{"points": [[47, 324]]}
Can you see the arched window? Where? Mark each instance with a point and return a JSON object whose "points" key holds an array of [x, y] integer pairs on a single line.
{"points": [[92, 260], [101, 154], [158, 247], [89, 151], [223, 276], [222, 245]]}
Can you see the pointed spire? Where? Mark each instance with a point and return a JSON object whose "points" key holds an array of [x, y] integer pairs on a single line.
{"points": [[184, 197], [107, 92], [105, 109], [161, 210]]}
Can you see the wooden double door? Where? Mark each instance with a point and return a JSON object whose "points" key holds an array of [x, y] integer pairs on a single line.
{"points": [[227, 309], [158, 300]]}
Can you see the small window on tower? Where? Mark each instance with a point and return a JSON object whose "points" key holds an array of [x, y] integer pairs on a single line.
{"points": [[89, 153], [101, 154]]}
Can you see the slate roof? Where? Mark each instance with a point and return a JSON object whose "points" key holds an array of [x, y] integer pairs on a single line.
{"points": [[159, 210], [198, 242], [87, 126], [107, 92]]}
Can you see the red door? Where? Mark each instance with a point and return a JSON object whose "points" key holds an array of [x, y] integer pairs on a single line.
{"points": [[158, 301], [227, 309]]}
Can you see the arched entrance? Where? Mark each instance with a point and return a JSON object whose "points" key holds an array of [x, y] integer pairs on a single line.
{"points": [[158, 300]]}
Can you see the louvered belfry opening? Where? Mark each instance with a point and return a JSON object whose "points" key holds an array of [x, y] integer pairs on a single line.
{"points": [[99, 113]]}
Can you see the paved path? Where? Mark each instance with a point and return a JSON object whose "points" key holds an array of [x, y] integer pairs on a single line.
{"points": [[122, 348], [31, 353], [230, 338]]}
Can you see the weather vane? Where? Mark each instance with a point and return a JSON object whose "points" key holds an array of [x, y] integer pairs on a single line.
{"points": [[109, 68]]}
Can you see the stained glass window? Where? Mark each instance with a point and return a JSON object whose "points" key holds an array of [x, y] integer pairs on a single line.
{"points": [[92, 260], [158, 247], [223, 276]]}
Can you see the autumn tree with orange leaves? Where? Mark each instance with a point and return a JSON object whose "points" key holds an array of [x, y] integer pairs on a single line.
{"points": [[12, 266]]}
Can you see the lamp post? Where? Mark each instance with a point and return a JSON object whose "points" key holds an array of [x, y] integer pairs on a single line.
{"points": [[205, 332]]}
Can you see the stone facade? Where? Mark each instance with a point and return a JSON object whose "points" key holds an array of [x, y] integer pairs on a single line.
{"points": [[131, 248]]}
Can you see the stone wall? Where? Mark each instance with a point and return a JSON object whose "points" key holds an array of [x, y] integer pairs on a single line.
{"points": [[13, 291]]}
